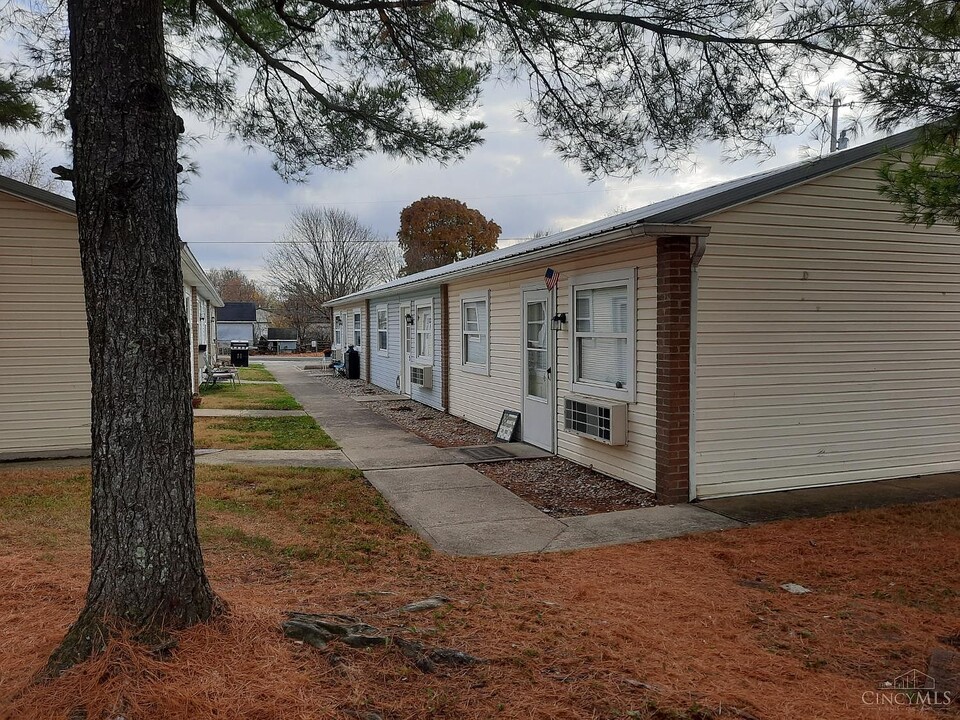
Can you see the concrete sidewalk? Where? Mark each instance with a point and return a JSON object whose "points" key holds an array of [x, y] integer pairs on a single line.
{"points": [[459, 510]]}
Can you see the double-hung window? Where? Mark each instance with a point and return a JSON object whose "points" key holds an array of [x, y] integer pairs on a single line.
{"points": [[382, 339], [424, 327], [474, 323], [603, 350], [357, 329], [338, 330]]}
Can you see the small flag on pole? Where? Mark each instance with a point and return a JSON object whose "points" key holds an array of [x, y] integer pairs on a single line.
{"points": [[551, 277]]}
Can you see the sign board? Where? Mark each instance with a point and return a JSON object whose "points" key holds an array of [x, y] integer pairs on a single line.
{"points": [[509, 425]]}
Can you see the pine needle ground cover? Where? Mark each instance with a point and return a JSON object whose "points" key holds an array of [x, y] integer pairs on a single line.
{"points": [[284, 433], [226, 396], [691, 628]]}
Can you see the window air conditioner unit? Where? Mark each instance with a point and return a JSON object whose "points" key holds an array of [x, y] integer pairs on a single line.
{"points": [[422, 376], [600, 421]]}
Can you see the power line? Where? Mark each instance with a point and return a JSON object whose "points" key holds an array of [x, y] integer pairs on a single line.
{"points": [[307, 242], [392, 202]]}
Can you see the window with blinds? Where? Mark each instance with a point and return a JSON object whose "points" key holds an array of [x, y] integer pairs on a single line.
{"points": [[425, 332], [382, 329], [603, 338], [474, 323], [357, 329]]}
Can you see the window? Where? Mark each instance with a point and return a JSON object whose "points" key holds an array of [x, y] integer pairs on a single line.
{"points": [[338, 330], [473, 327], [357, 334], [424, 328], [603, 355], [382, 329]]}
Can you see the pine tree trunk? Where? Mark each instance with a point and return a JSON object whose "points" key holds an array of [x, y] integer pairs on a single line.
{"points": [[147, 569]]}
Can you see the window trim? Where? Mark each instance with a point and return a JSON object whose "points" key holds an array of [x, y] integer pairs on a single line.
{"points": [[338, 344], [423, 360], [385, 309], [609, 278], [471, 367], [356, 329]]}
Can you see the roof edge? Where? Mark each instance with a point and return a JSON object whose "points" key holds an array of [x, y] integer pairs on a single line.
{"points": [[35, 195]]}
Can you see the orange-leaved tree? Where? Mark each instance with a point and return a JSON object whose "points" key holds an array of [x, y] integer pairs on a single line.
{"points": [[436, 231]]}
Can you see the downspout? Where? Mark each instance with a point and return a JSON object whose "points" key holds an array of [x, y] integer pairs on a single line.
{"points": [[699, 249]]}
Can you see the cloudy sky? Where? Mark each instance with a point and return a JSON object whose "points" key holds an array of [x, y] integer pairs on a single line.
{"points": [[238, 205]]}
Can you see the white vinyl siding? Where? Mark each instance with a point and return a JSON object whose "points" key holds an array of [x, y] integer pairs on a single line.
{"points": [[481, 399], [44, 365], [828, 342]]}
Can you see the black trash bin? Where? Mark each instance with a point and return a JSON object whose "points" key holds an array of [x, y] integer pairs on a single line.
{"points": [[351, 358], [239, 353]]}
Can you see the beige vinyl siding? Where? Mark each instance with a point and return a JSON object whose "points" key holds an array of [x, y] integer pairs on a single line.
{"points": [[482, 398], [44, 366], [828, 342]]}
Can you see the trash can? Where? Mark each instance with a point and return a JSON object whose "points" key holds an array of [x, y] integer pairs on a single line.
{"points": [[239, 353], [351, 358]]}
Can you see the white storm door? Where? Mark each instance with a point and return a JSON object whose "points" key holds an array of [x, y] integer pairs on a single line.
{"points": [[537, 415]]}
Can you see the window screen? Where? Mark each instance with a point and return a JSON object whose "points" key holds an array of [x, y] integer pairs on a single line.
{"points": [[382, 329], [475, 332], [601, 326]]}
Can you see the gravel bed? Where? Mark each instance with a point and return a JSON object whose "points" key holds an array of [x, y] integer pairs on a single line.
{"points": [[561, 488], [437, 428], [555, 486]]}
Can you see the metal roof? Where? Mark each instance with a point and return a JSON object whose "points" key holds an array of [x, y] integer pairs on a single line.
{"points": [[34, 194], [674, 211]]}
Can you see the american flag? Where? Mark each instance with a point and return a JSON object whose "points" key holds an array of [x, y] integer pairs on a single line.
{"points": [[551, 277]]}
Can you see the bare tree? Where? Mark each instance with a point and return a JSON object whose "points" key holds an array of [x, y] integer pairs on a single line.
{"points": [[31, 165], [327, 253], [235, 286]]}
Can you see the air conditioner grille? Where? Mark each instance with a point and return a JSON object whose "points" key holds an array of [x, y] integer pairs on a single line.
{"points": [[591, 420], [416, 376]]}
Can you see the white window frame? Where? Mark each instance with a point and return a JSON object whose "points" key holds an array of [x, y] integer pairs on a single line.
{"points": [[356, 329], [338, 330], [383, 330], [478, 368], [418, 305], [625, 276]]}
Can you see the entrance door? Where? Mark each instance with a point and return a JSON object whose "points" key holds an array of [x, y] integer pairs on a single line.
{"points": [[406, 349], [538, 413]]}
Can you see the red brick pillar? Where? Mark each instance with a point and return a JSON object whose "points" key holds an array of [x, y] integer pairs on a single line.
{"points": [[673, 369]]}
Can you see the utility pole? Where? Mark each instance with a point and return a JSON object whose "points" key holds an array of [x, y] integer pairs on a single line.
{"points": [[833, 125]]}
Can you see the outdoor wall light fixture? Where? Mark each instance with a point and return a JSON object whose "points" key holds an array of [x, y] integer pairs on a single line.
{"points": [[409, 318], [559, 320]]}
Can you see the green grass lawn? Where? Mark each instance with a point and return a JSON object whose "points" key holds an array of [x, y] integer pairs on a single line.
{"points": [[285, 433], [225, 396], [257, 371]]}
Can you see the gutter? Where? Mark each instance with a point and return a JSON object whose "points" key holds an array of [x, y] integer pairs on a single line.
{"points": [[187, 258]]}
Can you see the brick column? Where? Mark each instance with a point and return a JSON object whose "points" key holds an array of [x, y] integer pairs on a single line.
{"points": [[367, 344], [445, 347], [673, 369]]}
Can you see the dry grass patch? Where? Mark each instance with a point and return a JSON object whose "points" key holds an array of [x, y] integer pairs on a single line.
{"points": [[674, 629], [256, 371], [227, 396], [284, 433]]}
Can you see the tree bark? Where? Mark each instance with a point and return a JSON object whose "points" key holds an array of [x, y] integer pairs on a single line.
{"points": [[147, 573]]}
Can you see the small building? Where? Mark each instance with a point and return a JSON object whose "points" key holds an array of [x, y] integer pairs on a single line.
{"points": [[282, 340], [236, 322], [44, 353], [783, 330]]}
